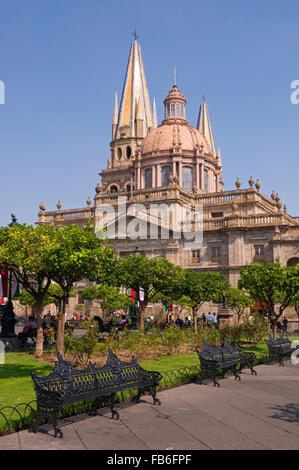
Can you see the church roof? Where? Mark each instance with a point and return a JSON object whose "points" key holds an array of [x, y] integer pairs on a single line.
{"points": [[174, 135]]}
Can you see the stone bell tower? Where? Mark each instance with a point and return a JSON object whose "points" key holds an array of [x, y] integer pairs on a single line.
{"points": [[131, 123]]}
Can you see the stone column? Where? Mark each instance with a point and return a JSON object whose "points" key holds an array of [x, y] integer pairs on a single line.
{"points": [[158, 175], [217, 183], [202, 178], [173, 168], [181, 174], [138, 177], [153, 176], [197, 176], [142, 180]]}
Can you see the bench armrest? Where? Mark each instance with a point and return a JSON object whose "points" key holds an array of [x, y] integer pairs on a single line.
{"points": [[210, 364], [250, 356], [155, 376]]}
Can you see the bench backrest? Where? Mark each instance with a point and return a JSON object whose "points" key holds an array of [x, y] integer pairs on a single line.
{"points": [[118, 371]]}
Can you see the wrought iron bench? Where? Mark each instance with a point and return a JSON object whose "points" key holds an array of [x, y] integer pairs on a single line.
{"points": [[279, 348], [216, 361], [244, 358], [67, 385]]}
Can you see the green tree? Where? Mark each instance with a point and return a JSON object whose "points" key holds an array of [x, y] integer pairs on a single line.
{"points": [[238, 301], [201, 288], [53, 296], [109, 298], [185, 303], [77, 254], [26, 250], [157, 277], [272, 285]]}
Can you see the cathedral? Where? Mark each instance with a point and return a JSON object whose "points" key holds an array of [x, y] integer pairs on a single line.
{"points": [[173, 164]]}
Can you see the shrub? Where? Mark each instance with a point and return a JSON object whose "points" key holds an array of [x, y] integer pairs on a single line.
{"points": [[82, 347]]}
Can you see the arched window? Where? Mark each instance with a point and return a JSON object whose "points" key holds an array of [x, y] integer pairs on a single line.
{"points": [[113, 189], [119, 153], [128, 152], [166, 172], [187, 177], [148, 176], [293, 262]]}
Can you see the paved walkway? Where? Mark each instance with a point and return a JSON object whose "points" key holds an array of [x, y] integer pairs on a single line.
{"points": [[259, 412]]}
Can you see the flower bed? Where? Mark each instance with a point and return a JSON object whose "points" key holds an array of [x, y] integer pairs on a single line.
{"points": [[156, 342]]}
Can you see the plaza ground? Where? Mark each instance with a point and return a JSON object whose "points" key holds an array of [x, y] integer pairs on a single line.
{"points": [[259, 412]]}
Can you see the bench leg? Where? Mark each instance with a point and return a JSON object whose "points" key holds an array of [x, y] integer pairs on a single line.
{"points": [[138, 396], [57, 431], [234, 370], [253, 371], [216, 384], [153, 392], [95, 406], [115, 414]]}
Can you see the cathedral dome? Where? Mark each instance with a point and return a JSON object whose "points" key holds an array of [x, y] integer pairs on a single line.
{"points": [[174, 135]]}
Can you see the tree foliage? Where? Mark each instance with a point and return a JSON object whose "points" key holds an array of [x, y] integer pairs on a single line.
{"points": [[273, 285]]}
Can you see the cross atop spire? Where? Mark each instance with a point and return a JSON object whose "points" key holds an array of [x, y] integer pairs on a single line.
{"points": [[174, 72], [135, 35]]}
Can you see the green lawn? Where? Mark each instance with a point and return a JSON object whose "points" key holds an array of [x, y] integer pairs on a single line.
{"points": [[16, 385]]}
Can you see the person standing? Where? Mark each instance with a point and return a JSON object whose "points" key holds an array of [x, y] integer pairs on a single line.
{"points": [[215, 319]]}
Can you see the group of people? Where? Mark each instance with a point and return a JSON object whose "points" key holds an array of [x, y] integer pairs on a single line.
{"points": [[281, 326], [210, 319], [30, 330]]}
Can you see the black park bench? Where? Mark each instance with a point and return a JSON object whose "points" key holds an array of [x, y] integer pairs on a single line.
{"points": [[67, 385], [279, 348], [216, 361]]}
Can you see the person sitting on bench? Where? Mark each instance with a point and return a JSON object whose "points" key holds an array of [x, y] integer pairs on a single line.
{"points": [[28, 331]]}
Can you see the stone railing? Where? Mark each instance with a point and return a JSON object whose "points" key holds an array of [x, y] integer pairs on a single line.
{"points": [[60, 216], [253, 220], [173, 191]]}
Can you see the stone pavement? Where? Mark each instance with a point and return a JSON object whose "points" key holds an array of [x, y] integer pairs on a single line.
{"points": [[259, 412]]}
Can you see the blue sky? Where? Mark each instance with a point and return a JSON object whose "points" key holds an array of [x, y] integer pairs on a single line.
{"points": [[63, 60]]}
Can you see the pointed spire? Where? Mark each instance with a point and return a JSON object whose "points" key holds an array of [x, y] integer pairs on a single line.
{"points": [[155, 120], [219, 158], [134, 86], [115, 117], [204, 125], [140, 130]]}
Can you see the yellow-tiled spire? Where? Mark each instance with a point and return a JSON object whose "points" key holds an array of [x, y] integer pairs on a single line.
{"points": [[204, 125], [135, 86]]}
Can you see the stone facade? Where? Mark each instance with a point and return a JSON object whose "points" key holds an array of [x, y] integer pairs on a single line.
{"points": [[177, 164]]}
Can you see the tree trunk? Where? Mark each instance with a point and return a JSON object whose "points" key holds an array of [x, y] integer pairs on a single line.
{"points": [[142, 312], [275, 330], [60, 330], [194, 312], [39, 348]]}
